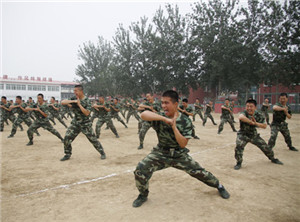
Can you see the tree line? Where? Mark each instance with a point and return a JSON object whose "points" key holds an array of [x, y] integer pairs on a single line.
{"points": [[222, 46]]}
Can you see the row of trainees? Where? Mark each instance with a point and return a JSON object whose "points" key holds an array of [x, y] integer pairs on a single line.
{"points": [[173, 129]]}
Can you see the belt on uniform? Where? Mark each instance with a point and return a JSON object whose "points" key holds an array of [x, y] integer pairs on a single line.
{"points": [[168, 150]]}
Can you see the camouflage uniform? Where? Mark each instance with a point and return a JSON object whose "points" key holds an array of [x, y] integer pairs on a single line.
{"points": [[145, 124], [189, 109], [104, 117], [168, 153], [207, 114], [198, 111], [264, 110], [225, 117], [93, 114], [22, 117], [279, 125], [41, 121], [132, 110], [115, 114], [81, 123], [53, 113], [248, 133], [231, 114]]}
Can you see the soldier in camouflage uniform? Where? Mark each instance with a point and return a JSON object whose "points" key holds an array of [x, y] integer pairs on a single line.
{"points": [[9, 114], [188, 111], [264, 109], [198, 108], [30, 102], [225, 117], [231, 113], [23, 116], [41, 113], [104, 117], [209, 108], [173, 131], [281, 111], [132, 108], [80, 123], [54, 112], [115, 109], [150, 106], [93, 112], [6, 114], [249, 120]]}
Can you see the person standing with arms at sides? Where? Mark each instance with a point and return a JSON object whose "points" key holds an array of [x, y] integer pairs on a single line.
{"points": [[225, 117], [264, 109], [281, 111], [188, 111], [54, 111], [249, 120], [80, 123], [208, 110], [198, 110], [115, 109], [40, 110], [173, 130], [23, 116]]}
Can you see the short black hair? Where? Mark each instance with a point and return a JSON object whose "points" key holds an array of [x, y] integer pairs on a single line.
{"points": [[197, 98], [185, 100], [116, 99], [3, 97], [251, 101], [53, 97], [284, 94], [19, 97], [79, 87], [227, 99], [40, 94], [30, 97], [171, 94]]}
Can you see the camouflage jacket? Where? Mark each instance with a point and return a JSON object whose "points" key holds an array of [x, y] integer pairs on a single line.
{"points": [[264, 108], [279, 116], [4, 112], [188, 109], [52, 110], [20, 112], [196, 107], [225, 112], [43, 107], [154, 105], [80, 118], [247, 129], [208, 110], [102, 112], [165, 134], [116, 106]]}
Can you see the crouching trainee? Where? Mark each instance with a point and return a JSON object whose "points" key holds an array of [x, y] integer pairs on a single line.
{"points": [[173, 130], [249, 120]]}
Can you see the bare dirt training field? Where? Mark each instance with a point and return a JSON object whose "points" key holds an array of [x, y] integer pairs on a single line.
{"points": [[37, 186]]}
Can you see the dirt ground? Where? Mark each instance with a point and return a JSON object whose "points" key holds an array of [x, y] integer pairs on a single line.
{"points": [[36, 186]]}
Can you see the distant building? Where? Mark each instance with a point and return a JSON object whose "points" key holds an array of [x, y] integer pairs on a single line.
{"points": [[30, 87]]}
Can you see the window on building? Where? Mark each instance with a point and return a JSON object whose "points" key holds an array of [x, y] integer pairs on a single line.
{"points": [[53, 88], [1, 86]]}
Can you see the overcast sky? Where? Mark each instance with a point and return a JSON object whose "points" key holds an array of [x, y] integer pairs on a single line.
{"points": [[40, 38]]}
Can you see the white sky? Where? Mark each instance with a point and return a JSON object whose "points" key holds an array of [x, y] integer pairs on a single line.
{"points": [[42, 38]]}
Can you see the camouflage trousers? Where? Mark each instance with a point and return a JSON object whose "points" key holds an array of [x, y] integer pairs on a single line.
{"points": [[116, 116], [144, 129], [52, 116], [283, 128], [241, 142], [94, 116], [44, 124], [225, 120], [232, 117], [72, 132], [4, 118], [159, 159], [209, 116], [134, 113], [108, 122], [266, 115], [199, 113], [18, 121]]}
